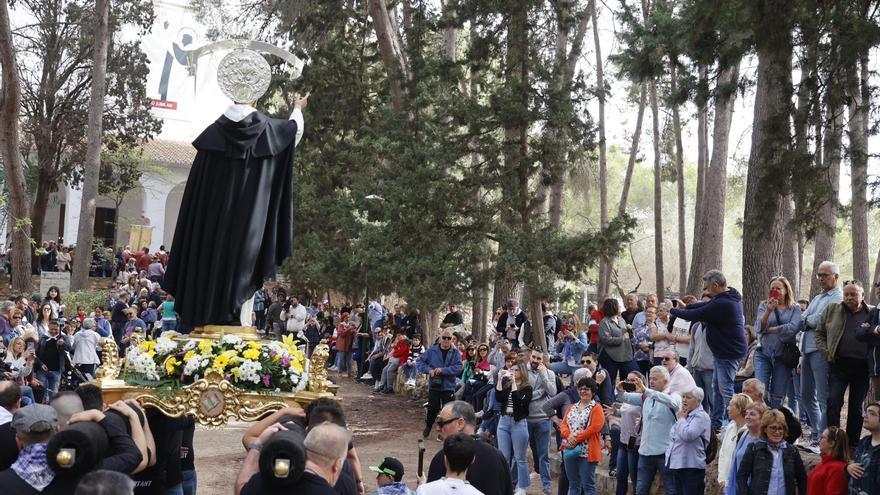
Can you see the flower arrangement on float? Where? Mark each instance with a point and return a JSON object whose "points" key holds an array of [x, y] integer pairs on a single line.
{"points": [[269, 367]]}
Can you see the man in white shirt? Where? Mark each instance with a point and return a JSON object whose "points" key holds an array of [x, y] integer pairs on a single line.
{"points": [[458, 455], [296, 316], [680, 379]]}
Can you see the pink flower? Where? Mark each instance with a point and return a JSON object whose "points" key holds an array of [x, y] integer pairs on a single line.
{"points": [[266, 379], [285, 361]]}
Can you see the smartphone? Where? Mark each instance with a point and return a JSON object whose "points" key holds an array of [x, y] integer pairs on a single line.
{"points": [[629, 387], [774, 294]]}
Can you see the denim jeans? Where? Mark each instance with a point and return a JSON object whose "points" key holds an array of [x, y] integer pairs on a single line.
{"points": [[722, 383], [409, 371], [389, 374], [842, 374], [175, 490], [627, 465], [649, 465], [794, 397], [690, 481], [343, 362], [50, 380], [774, 375], [561, 368], [703, 379], [169, 325], [814, 391], [190, 482], [27, 393], [581, 476], [539, 441], [513, 442]]}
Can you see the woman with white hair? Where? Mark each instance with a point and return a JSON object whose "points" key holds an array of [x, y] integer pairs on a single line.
{"points": [[686, 454]]}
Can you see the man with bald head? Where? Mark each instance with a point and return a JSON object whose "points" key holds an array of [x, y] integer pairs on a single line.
{"points": [[484, 474]]}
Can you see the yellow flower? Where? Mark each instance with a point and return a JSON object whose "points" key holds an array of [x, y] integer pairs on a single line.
{"points": [[289, 342], [188, 355], [206, 346], [252, 354], [255, 345], [220, 362], [297, 366], [276, 358], [230, 354], [170, 363], [147, 346]]}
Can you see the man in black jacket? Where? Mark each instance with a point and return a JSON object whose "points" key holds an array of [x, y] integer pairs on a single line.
{"points": [[510, 322], [490, 472], [52, 352]]}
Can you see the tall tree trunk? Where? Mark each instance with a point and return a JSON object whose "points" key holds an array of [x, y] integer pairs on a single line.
{"points": [[710, 254], [605, 262], [92, 165], [391, 49], [693, 283], [658, 194], [10, 154], [679, 174], [633, 151], [873, 296], [768, 178], [826, 231], [859, 105], [791, 268]]}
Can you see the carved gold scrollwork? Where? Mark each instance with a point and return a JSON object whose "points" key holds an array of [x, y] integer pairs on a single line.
{"points": [[318, 382], [110, 366]]}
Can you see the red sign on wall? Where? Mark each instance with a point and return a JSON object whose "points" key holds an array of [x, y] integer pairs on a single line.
{"points": [[167, 105]]}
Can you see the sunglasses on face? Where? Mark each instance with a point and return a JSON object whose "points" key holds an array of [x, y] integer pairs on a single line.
{"points": [[822, 275], [443, 422], [587, 362], [446, 338]]}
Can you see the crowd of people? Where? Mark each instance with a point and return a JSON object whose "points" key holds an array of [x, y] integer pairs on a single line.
{"points": [[659, 389]]}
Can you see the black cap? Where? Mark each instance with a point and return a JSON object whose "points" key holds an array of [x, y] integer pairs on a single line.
{"points": [[390, 467]]}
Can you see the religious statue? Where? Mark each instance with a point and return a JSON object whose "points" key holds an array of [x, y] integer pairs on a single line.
{"points": [[235, 224]]}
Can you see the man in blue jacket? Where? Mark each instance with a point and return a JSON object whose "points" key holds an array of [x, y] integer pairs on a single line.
{"points": [[442, 363], [724, 321]]}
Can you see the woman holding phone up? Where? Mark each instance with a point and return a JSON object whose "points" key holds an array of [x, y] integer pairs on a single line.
{"points": [[777, 324], [514, 394]]}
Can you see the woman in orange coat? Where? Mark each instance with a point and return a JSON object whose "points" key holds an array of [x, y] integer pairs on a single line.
{"points": [[581, 449], [829, 476], [345, 331]]}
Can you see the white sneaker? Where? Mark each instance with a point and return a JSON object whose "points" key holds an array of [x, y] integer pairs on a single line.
{"points": [[333, 369], [367, 376]]}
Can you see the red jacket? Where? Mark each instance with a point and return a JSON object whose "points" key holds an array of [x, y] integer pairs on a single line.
{"points": [[401, 350], [594, 327], [828, 477], [344, 336]]}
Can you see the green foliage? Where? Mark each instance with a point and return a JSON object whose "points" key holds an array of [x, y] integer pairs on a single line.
{"points": [[89, 299]]}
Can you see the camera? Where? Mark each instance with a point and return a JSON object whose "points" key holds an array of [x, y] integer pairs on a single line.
{"points": [[629, 387]]}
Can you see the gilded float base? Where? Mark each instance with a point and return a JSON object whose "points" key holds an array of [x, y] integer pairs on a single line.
{"points": [[215, 332]]}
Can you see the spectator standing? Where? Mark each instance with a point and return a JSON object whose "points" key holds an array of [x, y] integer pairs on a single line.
{"points": [[641, 340], [442, 363], [169, 316], [581, 448], [51, 352], [345, 331], [296, 317], [85, 346], [680, 379], [725, 334], [543, 384], [156, 271], [458, 417], [274, 323], [731, 432], [650, 302], [847, 357], [754, 412], [829, 476], [659, 413], [630, 308], [870, 334], [261, 303], [661, 334], [627, 462], [777, 324], [119, 317], [686, 454], [770, 466], [510, 322], [864, 469], [814, 366], [514, 394], [701, 363], [615, 348]]}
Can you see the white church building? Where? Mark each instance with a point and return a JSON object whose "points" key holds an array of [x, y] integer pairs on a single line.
{"points": [[186, 104]]}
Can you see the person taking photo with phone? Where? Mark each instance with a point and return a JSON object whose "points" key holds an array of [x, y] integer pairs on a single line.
{"points": [[777, 324]]}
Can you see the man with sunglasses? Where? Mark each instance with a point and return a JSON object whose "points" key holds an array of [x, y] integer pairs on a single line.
{"points": [[814, 367], [847, 356], [442, 363], [487, 473]]}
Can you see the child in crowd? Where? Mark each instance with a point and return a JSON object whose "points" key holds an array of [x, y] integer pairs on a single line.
{"points": [[415, 351]]}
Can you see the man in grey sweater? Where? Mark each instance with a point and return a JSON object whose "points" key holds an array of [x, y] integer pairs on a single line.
{"points": [[543, 383]]}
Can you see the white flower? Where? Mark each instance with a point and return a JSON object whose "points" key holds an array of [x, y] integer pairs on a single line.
{"points": [[231, 340], [249, 371], [165, 346], [145, 365], [190, 345], [193, 365]]}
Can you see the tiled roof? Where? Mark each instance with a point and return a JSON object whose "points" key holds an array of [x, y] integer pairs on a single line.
{"points": [[170, 152]]}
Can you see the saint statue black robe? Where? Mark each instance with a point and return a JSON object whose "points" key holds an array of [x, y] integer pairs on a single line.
{"points": [[235, 224]]}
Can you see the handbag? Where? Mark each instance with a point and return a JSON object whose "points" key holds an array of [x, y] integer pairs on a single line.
{"points": [[573, 452], [791, 355]]}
